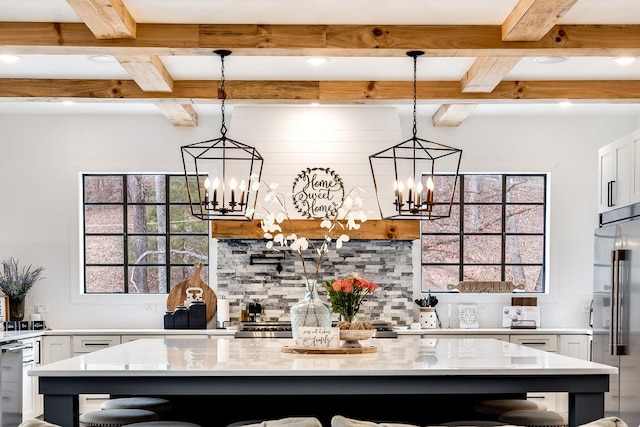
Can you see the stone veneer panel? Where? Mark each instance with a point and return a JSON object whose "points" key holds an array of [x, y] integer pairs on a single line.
{"points": [[388, 263]]}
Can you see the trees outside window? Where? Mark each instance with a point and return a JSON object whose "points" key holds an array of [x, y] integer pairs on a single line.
{"points": [[496, 232], [139, 234]]}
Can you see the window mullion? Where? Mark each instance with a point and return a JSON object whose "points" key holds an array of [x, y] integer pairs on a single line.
{"points": [[125, 231]]}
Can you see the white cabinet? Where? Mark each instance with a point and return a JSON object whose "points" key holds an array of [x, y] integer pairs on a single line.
{"points": [[635, 167], [32, 404], [577, 346], [619, 173], [55, 348], [86, 344]]}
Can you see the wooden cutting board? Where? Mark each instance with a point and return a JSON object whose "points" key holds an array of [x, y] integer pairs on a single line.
{"points": [[336, 350], [178, 293]]}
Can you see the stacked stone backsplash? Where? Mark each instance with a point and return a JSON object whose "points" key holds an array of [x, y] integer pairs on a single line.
{"points": [[388, 263]]}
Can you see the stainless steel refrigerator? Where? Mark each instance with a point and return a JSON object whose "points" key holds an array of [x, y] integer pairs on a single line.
{"points": [[615, 316]]}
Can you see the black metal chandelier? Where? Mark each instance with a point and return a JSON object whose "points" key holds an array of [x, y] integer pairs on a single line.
{"points": [[219, 171], [407, 182]]}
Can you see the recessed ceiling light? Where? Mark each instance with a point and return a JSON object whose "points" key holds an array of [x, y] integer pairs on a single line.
{"points": [[316, 60], [550, 59], [9, 59], [102, 58], [625, 60]]}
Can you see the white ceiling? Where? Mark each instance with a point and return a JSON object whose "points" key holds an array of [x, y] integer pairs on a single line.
{"points": [[355, 12]]}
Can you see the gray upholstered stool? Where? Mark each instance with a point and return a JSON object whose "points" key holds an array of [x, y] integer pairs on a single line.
{"points": [[155, 404], [163, 424], [493, 408], [533, 418], [116, 417]]}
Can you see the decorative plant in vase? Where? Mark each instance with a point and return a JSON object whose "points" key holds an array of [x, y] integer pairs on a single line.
{"points": [[346, 295], [279, 230], [15, 283]]}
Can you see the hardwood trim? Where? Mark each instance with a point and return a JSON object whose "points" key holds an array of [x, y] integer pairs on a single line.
{"points": [[327, 40], [204, 91], [369, 230]]}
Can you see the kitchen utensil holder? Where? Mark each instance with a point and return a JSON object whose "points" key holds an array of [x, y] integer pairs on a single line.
{"points": [[428, 318]]}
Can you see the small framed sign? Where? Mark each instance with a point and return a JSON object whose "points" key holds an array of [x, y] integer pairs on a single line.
{"points": [[4, 308], [317, 337]]}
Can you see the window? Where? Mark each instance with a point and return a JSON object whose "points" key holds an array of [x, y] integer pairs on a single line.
{"points": [[496, 232], [139, 234]]}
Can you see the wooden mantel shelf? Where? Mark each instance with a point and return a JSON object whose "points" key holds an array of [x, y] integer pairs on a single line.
{"points": [[310, 228]]}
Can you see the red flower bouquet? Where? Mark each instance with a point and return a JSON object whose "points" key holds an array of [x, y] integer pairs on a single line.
{"points": [[346, 295]]}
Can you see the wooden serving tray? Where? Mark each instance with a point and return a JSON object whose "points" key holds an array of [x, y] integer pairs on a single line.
{"points": [[337, 350]]}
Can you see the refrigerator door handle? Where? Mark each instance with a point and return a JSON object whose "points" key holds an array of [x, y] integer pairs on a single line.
{"points": [[615, 328]]}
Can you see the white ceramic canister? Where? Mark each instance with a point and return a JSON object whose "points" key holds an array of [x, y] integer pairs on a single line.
{"points": [[428, 318]]}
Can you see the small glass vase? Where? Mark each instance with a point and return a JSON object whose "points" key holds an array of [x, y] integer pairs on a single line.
{"points": [[16, 307], [311, 310]]}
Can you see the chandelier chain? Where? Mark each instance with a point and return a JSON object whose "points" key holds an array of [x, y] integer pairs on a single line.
{"points": [[223, 126], [415, 90]]}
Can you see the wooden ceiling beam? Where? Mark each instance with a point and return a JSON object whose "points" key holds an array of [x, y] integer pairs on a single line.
{"points": [[287, 40], [530, 20], [452, 115], [485, 73], [147, 71], [107, 19], [179, 114], [207, 91]]}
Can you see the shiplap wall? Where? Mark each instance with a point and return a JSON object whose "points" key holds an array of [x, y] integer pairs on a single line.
{"points": [[42, 157]]}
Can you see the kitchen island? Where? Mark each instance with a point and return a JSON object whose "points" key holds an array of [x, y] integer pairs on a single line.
{"points": [[222, 367]]}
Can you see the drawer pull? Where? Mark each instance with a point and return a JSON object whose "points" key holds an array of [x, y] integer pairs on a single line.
{"points": [[97, 343], [534, 343]]}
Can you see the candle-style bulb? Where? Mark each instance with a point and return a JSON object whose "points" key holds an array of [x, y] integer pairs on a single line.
{"points": [[410, 187], [430, 188], [232, 184], [206, 190], [419, 194], [216, 183]]}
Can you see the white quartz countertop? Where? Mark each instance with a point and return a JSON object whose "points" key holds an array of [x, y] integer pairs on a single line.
{"points": [[493, 331], [263, 357]]}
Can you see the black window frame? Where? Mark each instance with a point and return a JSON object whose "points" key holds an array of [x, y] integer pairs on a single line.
{"points": [[126, 235], [460, 202]]}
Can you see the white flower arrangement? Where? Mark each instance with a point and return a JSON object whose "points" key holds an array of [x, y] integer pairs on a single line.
{"points": [[348, 216]]}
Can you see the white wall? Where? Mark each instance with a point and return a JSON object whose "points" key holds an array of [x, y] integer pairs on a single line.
{"points": [[41, 158]]}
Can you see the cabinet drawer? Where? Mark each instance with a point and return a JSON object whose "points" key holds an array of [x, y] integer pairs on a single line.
{"points": [[88, 343], [541, 342]]}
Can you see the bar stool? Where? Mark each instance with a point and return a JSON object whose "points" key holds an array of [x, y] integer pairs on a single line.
{"points": [[116, 417], [533, 418], [493, 408], [155, 404], [475, 423], [164, 424]]}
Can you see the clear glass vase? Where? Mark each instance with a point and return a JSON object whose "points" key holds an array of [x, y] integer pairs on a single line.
{"points": [[311, 310]]}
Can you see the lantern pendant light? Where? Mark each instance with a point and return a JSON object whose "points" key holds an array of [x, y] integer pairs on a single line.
{"points": [[417, 178], [219, 171]]}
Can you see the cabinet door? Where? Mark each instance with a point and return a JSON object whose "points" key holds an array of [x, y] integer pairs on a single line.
{"points": [[28, 362], [615, 174], [55, 348], [635, 167], [575, 346]]}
